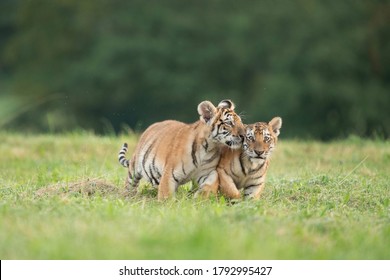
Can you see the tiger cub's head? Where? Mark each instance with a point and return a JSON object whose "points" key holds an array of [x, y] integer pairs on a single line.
{"points": [[261, 138], [226, 126]]}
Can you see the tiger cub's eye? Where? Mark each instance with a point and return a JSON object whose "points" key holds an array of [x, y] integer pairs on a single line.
{"points": [[250, 138], [229, 123]]}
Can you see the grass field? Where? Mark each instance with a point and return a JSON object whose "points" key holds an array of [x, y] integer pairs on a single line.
{"points": [[62, 197]]}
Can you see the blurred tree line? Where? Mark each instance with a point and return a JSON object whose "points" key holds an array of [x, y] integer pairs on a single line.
{"points": [[321, 65]]}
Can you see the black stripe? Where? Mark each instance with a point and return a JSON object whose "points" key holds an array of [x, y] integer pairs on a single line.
{"points": [[155, 168], [213, 157], [150, 179], [258, 177], [182, 168], [219, 125], [148, 152], [156, 182], [146, 155], [251, 186], [253, 171], [242, 165], [122, 156], [216, 120], [124, 162], [174, 177], [212, 127], [206, 145], [202, 178], [260, 181], [152, 169], [193, 154], [134, 178], [123, 150]]}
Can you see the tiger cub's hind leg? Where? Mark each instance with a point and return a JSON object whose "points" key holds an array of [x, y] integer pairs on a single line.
{"points": [[133, 178]]}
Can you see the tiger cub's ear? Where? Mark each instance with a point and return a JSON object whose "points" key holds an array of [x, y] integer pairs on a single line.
{"points": [[226, 104], [207, 111], [276, 124]]}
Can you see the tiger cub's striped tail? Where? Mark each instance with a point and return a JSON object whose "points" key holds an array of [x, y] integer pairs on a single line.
{"points": [[121, 156]]}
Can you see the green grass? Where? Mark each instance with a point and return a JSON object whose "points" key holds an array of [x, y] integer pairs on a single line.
{"points": [[322, 201]]}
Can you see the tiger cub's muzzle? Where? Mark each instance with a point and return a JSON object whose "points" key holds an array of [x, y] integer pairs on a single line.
{"points": [[235, 142]]}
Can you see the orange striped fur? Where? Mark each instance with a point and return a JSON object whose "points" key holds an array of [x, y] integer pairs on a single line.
{"points": [[171, 153], [246, 168]]}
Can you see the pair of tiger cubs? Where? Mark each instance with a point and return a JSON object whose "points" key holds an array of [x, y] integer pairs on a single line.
{"points": [[218, 152]]}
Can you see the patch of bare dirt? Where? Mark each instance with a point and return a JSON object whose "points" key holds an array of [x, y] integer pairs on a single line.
{"points": [[88, 187]]}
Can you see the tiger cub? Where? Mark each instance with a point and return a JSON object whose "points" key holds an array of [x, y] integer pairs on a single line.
{"points": [[171, 153], [247, 168]]}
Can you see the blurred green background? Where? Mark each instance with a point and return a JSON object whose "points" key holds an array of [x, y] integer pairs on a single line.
{"points": [[323, 66]]}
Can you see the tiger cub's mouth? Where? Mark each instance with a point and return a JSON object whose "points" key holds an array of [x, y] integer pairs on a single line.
{"points": [[233, 144], [256, 154]]}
